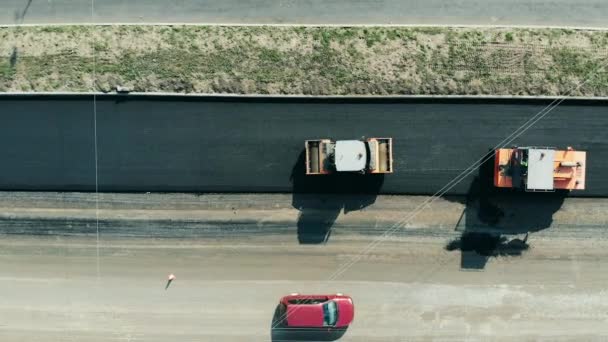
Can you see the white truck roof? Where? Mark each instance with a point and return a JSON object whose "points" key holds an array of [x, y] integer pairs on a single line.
{"points": [[350, 155], [540, 169]]}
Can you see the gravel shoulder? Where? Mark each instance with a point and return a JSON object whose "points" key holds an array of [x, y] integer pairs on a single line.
{"points": [[279, 216]]}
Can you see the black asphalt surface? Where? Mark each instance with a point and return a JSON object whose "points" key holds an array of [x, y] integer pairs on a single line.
{"points": [[235, 145]]}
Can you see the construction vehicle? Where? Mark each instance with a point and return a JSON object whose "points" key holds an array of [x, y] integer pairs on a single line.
{"points": [[540, 168], [372, 155]]}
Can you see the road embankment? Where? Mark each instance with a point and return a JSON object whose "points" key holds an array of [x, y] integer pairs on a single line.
{"points": [[305, 60]]}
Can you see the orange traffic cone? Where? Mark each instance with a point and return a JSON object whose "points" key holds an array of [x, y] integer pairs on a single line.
{"points": [[169, 280]]}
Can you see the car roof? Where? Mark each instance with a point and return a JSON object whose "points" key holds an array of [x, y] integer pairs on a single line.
{"points": [[311, 315], [305, 315]]}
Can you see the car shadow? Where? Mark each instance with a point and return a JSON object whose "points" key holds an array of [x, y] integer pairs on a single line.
{"points": [[321, 198], [492, 214], [279, 333]]}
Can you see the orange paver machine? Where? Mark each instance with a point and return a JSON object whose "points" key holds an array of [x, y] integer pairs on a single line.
{"points": [[540, 168]]}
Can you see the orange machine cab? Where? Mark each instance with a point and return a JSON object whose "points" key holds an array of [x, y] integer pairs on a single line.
{"points": [[539, 168]]}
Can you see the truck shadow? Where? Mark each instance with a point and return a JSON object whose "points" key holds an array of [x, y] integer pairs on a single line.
{"points": [[492, 214], [321, 198], [282, 334], [477, 248]]}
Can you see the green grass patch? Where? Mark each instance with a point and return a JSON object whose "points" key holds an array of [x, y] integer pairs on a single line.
{"points": [[309, 60]]}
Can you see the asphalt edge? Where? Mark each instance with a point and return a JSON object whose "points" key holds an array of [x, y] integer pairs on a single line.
{"points": [[301, 96]]}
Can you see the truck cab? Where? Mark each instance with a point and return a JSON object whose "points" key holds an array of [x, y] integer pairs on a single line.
{"points": [[540, 169]]}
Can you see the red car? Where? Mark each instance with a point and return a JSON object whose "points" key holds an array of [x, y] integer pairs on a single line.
{"points": [[316, 311]]}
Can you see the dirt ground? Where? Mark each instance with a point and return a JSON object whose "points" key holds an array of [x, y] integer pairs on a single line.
{"points": [[305, 60], [234, 256]]}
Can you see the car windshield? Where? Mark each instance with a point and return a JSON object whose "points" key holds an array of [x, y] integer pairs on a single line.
{"points": [[330, 313]]}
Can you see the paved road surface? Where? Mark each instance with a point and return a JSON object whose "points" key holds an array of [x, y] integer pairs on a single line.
{"points": [[177, 144], [588, 13]]}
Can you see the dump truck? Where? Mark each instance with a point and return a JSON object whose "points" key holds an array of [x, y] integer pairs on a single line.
{"points": [[372, 155], [540, 168]]}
